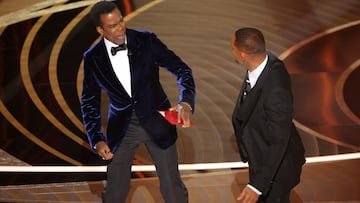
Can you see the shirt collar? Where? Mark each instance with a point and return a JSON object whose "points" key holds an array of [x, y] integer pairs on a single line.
{"points": [[110, 44], [255, 74]]}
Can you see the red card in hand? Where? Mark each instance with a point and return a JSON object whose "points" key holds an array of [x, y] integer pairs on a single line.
{"points": [[172, 117]]}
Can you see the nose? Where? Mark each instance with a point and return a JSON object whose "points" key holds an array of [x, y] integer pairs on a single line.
{"points": [[120, 26]]}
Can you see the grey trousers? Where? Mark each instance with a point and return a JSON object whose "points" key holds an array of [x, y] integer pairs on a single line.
{"points": [[117, 187]]}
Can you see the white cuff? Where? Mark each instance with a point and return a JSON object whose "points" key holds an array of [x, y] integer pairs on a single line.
{"points": [[254, 189]]}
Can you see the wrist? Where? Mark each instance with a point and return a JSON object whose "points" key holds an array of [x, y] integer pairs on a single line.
{"points": [[254, 189], [98, 144], [186, 106]]}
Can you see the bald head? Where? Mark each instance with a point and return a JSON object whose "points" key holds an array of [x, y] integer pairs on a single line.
{"points": [[249, 40]]}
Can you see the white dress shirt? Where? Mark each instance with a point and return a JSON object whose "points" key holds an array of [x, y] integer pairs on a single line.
{"points": [[254, 75], [121, 65]]}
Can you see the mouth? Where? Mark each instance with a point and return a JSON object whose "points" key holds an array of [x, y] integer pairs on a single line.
{"points": [[121, 36]]}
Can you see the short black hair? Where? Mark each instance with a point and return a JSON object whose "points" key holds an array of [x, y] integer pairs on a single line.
{"points": [[250, 40], [101, 7]]}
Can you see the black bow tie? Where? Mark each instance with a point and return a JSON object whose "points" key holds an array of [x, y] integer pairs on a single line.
{"points": [[119, 48]]}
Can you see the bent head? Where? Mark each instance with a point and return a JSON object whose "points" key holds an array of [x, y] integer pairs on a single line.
{"points": [[246, 43]]}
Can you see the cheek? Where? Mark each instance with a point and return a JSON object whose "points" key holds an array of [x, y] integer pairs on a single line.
{"points": [[108, 34]]}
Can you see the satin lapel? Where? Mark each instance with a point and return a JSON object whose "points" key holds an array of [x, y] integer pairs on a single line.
{"points": [[247, 107], [106, 69], [135, 58], [262, 78]]}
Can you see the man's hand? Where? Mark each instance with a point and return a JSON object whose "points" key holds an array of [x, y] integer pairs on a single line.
{"points": [[184, 112], [248, 196], [103, 150]]}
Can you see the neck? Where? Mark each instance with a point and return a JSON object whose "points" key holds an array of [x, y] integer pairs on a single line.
{"points": [[254, 61]]}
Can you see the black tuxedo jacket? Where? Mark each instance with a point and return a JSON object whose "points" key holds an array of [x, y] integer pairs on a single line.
{"points": [[146, 54], [265, 134]]}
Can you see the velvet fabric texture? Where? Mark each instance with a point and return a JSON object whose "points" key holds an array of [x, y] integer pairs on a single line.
{"points": [[146, 55]]}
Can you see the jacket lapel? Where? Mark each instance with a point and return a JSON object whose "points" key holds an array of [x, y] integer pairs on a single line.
{"points": [[105, 68], [134, 52], [246, 108]]}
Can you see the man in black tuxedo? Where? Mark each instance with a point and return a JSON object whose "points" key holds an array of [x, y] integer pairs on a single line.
{"points": [[125, 64], [266, 136]]}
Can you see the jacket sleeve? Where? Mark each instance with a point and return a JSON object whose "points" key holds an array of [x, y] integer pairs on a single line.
{"points": [[90, 104], [170, 61]]}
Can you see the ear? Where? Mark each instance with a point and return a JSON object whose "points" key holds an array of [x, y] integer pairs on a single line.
{"points": [[242, 54], [237, 53], [99, 30]]}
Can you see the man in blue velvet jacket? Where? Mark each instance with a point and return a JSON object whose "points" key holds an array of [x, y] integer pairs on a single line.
{"points": [[125, 64]]}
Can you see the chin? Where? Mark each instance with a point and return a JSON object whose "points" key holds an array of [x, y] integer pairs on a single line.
{"points": [[121, 42]]}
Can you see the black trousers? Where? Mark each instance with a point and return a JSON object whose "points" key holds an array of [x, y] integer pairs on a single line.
{"points": [[166, 162]]}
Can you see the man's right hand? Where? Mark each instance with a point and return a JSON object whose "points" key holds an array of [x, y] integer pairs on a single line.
{"points": [[103, 150]]}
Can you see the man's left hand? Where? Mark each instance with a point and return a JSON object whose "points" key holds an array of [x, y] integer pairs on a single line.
{"points": [[248, 196], [184, 112]]}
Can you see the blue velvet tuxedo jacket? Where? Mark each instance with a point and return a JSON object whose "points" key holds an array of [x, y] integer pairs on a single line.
{"points": [[266, 136], [146, 54]]}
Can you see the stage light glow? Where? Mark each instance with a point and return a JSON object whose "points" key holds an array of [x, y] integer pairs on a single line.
{"points": [[182, 167]]}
